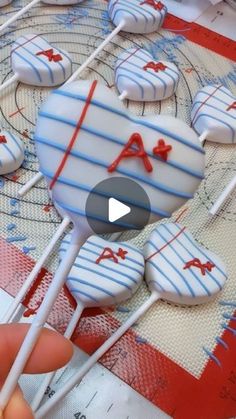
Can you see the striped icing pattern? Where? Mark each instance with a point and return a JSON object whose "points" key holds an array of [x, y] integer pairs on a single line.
{"points": [[105, 131], [141, 84], [104, 283], [214, 111], [138, 16], [167, 251], [36, 69], [11, 152]]}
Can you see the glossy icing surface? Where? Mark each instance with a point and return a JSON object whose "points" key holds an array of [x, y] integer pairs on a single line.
{"points": [[11, 152], [36, 62], [214, 111], [104, 273], [179, 268], [85, 135], [143, 77], [139, 16]]}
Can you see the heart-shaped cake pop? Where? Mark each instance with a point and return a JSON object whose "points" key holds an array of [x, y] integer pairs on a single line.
{"points": [[139, 16], [179, 268], [214, 112], [143, 77], [85, 135], [104, 273], [38, 63], [11, 152]]}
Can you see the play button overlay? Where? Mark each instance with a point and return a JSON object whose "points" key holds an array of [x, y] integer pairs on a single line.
{"points": [[117, 210], [117, 204]]}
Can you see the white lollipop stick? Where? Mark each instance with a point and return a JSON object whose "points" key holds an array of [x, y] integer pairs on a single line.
{"points": [[169, 275], [18, 14], [123, 95], [40, 319], [30, 184], [13, 309], [104, 284], [77, 377], [223, 197], [49, 377], [7, 83], [96, 52], [204, 136]]}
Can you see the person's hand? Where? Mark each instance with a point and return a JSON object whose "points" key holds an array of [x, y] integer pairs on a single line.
{"points": [[51, 352]]}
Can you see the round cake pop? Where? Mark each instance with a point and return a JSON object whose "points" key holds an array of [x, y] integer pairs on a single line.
{"points": [[133, 16], [11, 152], [104, 274], [76, 134], [214, 114], [177, 269], [36, 62], [32, 4], [214, 118], [140, 77]]}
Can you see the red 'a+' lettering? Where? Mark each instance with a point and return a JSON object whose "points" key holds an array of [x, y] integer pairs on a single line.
{"points": [[157, 5], [161, 150], [155, 66], [208, 266], [108, 253], [49, 53], [3, 139], [232, 106]]}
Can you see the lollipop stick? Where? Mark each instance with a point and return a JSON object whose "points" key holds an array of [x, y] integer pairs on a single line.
{"points": [[203, 136], [8, 82], [38, 266], [35, 179], [123, 95], [34, 331], [49, 377], [18, 14], [96, 52], [222, 198], [77, 377]]}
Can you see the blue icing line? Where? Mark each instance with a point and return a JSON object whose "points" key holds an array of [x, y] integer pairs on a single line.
{"points": [[96, 287], [16, 239], [212, 356], [146, 180]]}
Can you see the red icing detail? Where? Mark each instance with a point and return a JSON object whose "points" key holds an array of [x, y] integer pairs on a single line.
{"points": [[48, 207], [107, 254], [31, 311], [129, 151], [153, 3], [155, 66], [121, 253], [232, 106], [167, 244], [205, 101], [49, 53], [197, 264], [162, 149], [3, 139], [75, 134]]}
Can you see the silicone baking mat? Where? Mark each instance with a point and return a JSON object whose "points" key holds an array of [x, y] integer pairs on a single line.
{"points": [[173, 356]]}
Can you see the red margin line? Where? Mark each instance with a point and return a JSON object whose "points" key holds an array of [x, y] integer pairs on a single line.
{"points": [[167, 244]]}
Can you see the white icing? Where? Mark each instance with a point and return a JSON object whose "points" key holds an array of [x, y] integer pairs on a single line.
{"points": [[5, 2], [141, 84], [38, 70], [106, 129], [169, 248], [139, 17], [62, 2], [211, 114], [11, 152], [105, 283]]}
